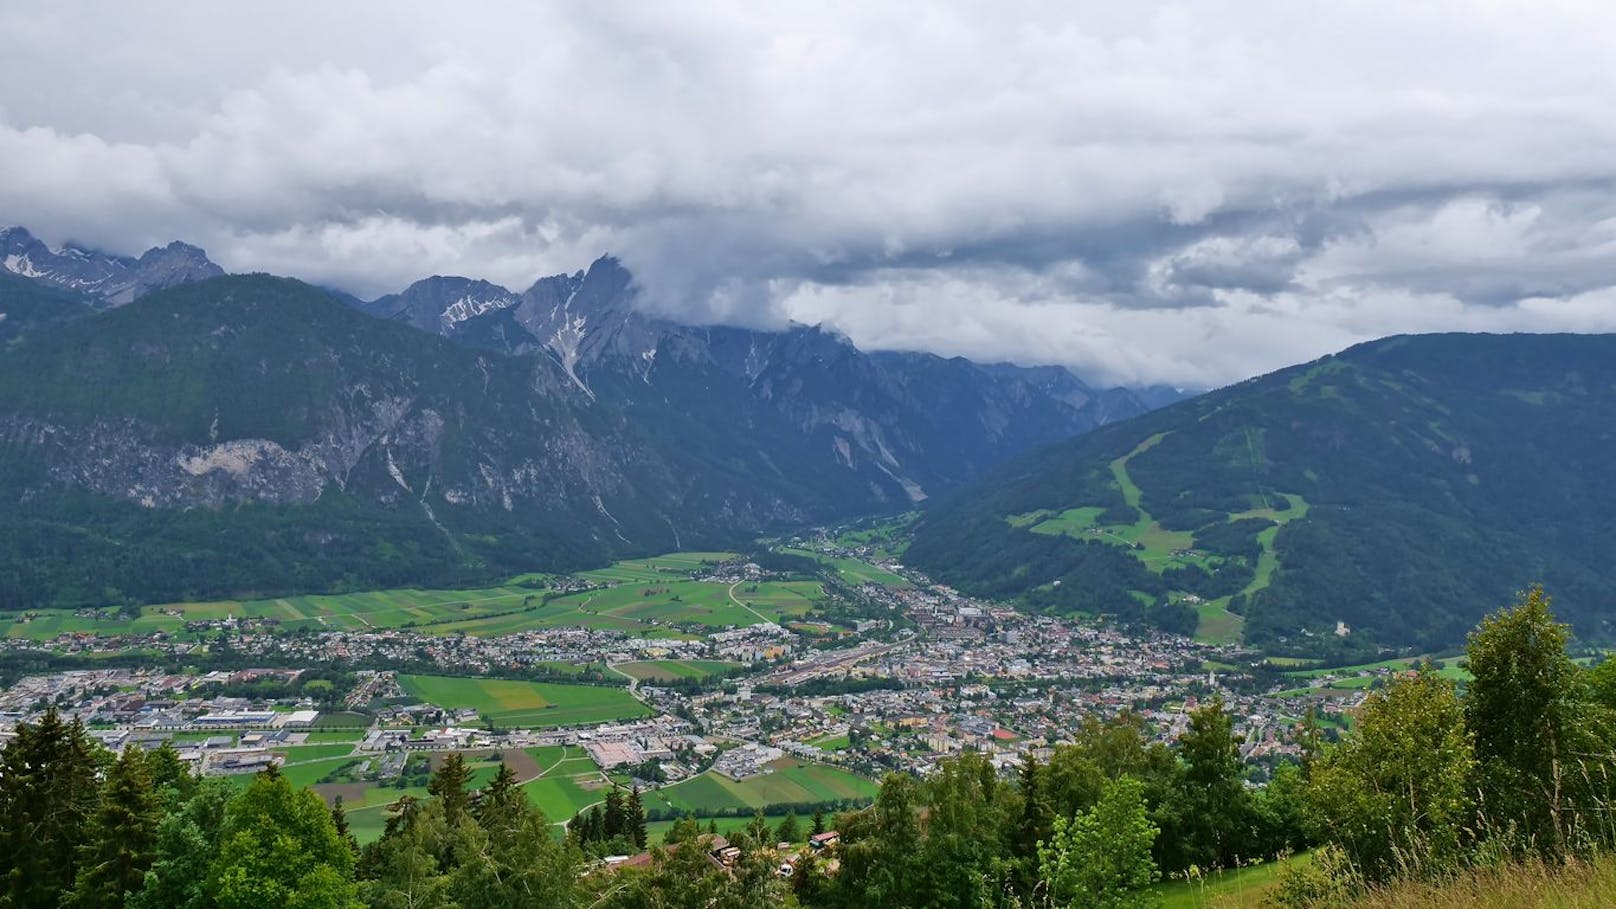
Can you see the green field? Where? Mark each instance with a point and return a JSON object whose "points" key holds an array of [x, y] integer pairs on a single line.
{"points": [[649, 597], [672, 670], [832, 742], [791, 782], [660, 607], [852, 571], [407, 607], [657, 830], [886, 537], [671, 566], [300, 753], [310, 772], [1451, 668], [568, 783], [526, 704]]}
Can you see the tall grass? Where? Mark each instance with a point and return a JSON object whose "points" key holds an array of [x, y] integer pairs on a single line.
{"points": [[1534, 884]]}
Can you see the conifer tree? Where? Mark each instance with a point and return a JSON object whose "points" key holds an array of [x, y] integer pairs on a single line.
{"points": [[790, 829], [450, 785], [635, 810], [503, 806], [615, 821], [121, 837], [1033, 825], [48, 794], [339, 818]]}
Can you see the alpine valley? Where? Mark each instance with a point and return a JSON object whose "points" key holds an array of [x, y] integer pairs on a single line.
{"points": [[168, 432]]}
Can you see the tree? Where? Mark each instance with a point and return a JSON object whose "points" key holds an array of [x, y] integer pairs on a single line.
{"points": [[1206, 817], [169, 774], [186, 843], [757, 830], [790, 829], [1396, 793], [818, 826], [339, 819], [881, 851], [523, 866], [122, 836], [48, 794], [634, 813], [683, 876], [1034, 823], [279, 848], [403, 867], [503, 805], [615, 822], [968, 813], [1523, 707], [450, 785], [1101, 858]]}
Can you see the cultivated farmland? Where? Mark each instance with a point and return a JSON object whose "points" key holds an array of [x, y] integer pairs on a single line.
{"points": [[673, 670], [652, 597], [526, 704], [790, 782]]}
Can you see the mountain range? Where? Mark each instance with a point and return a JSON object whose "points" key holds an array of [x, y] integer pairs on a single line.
{"points": [[1384, 498], [168, 432]]}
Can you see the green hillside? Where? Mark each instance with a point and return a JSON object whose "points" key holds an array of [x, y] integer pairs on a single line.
{"points": [[1377, 498], [250, 435]]}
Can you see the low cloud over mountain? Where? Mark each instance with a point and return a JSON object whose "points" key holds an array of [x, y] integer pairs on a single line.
{"points": [[1145, 192]]}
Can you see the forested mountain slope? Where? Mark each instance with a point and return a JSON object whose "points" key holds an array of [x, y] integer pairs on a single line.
{"points": [[1385, 496], [251, 433]]}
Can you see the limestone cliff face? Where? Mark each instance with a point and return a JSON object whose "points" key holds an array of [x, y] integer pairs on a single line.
{"points": [[265, 392], [251, 433], [877, 430]]}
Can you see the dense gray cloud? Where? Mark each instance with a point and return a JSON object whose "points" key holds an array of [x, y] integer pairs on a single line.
{"points": [[1146, 192]]}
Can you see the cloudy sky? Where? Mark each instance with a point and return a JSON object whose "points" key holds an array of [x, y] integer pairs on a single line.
{"points": [[1180, 193]]}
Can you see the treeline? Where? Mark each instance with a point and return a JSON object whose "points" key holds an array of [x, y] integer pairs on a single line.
{"points": [[819, 809], [615, 826], [79, 827]]}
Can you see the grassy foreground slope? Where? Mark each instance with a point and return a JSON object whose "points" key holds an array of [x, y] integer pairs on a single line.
{"points": [[1579, 885], [1377, 497]]}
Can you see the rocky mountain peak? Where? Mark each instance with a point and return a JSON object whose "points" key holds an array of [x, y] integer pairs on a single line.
{"points": [[107, 279]]}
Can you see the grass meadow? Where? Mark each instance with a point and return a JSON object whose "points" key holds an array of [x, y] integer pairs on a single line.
{"points": [[510, 703]]}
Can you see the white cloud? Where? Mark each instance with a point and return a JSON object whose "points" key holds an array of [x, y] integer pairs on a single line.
{"points": [[1145, 191]]}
